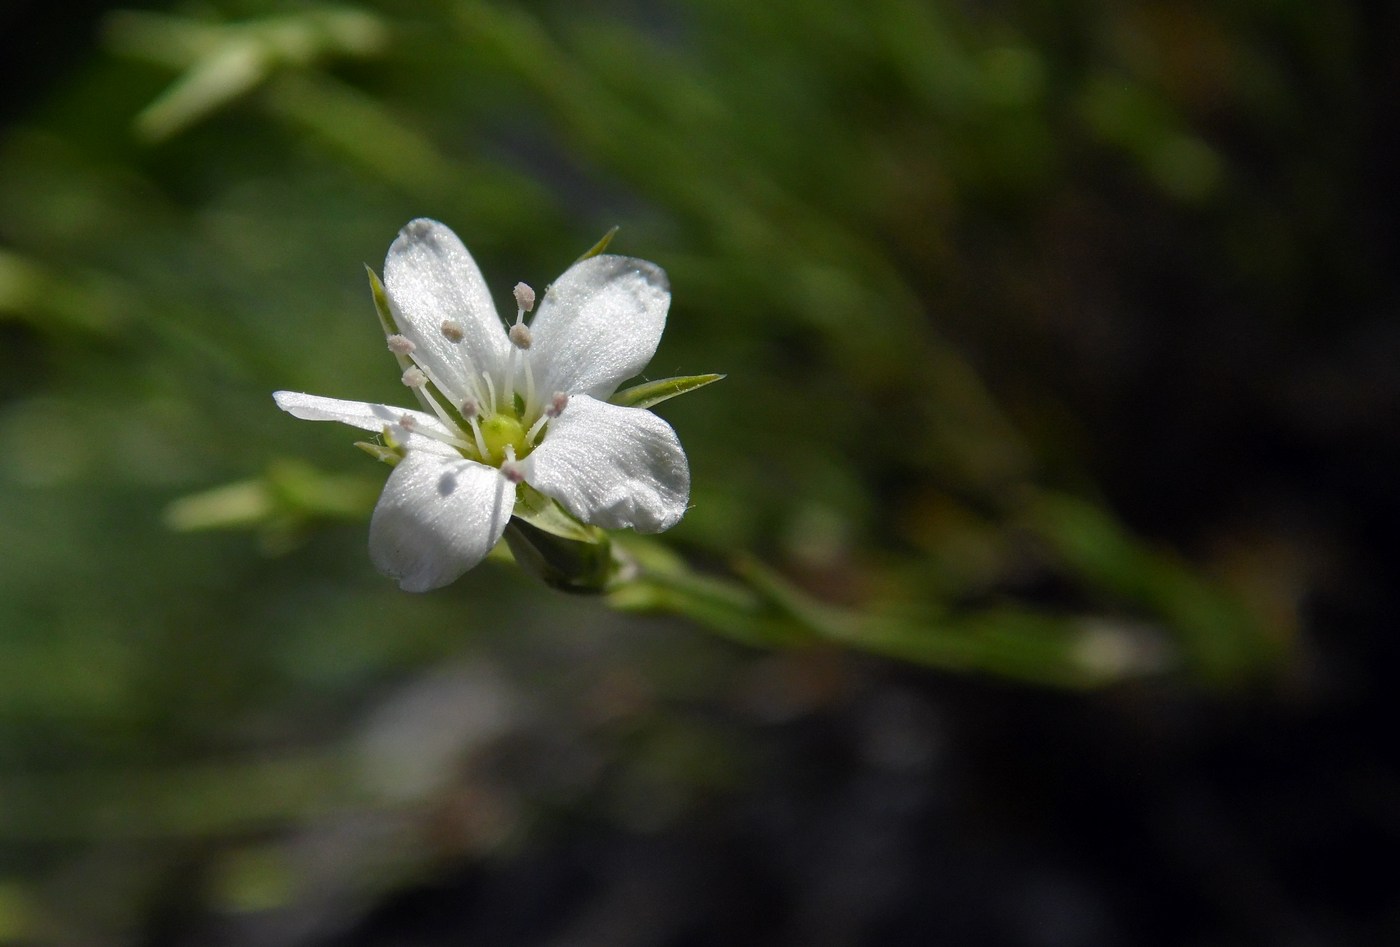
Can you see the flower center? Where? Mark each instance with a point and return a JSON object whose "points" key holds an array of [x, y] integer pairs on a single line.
{"points": [[500, 431], [499, 427]]}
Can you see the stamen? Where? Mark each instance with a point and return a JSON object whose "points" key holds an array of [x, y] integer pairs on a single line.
{"points": [[403, 345], [425, 394], [510, 381], [557, 404], [509, 468], [441, 438], [414, 378], [474, 395], [432, 402], [453, 332], [491, 393], [530, 406], [524, 301], [476, 435], [411, 425]]}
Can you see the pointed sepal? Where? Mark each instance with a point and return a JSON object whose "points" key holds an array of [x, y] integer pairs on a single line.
{"points": [[381, 307], [587, 568], [600, 246], [389, 454], [650, 393], [545, 514]]}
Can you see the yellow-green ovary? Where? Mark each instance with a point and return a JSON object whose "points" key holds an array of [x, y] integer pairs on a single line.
{"points": [[500, 431]]}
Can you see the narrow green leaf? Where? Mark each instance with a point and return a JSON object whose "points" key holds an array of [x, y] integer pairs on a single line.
{"points": [[302, 489], [649, 393], [1220, 635], [600, 246], [1043, 648], [243, 504]]}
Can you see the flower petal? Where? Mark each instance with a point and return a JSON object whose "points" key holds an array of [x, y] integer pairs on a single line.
{"points": [[612, 466], [599, 325], [437, 518], [430, 278], [369, 417]]}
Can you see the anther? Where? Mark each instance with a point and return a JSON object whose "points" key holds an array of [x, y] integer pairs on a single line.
{"points": [[470, 409], [451, 331], [524, 297], [411, 425], [510, 468], [414, 378], [520, 335], [556, 407], [400, 344]]}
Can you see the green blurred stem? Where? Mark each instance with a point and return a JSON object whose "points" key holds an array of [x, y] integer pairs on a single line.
{"points": [[719, 604], [757, 607], [1221, 640]]}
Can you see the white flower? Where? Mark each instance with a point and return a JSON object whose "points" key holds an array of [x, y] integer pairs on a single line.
{"points": [[524, 404]]}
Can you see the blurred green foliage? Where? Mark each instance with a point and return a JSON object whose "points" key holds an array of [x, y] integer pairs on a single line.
{"points": [[870, 212]]}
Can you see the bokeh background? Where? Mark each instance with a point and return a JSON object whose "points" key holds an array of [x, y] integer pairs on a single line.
{"points": [[1061, 421]]}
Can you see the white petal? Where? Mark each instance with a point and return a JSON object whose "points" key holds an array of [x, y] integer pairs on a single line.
{"points": [[612, 466], [368, 417], [437, 518], [599, 325], [430, 279]]}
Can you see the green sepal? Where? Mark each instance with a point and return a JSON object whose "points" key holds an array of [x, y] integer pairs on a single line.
{"points": [[389, 451], [389, 454], [553, 546], [544, 514], [390, 327], [565, 564], [649, 393], [381, 306], [600, 246]]}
